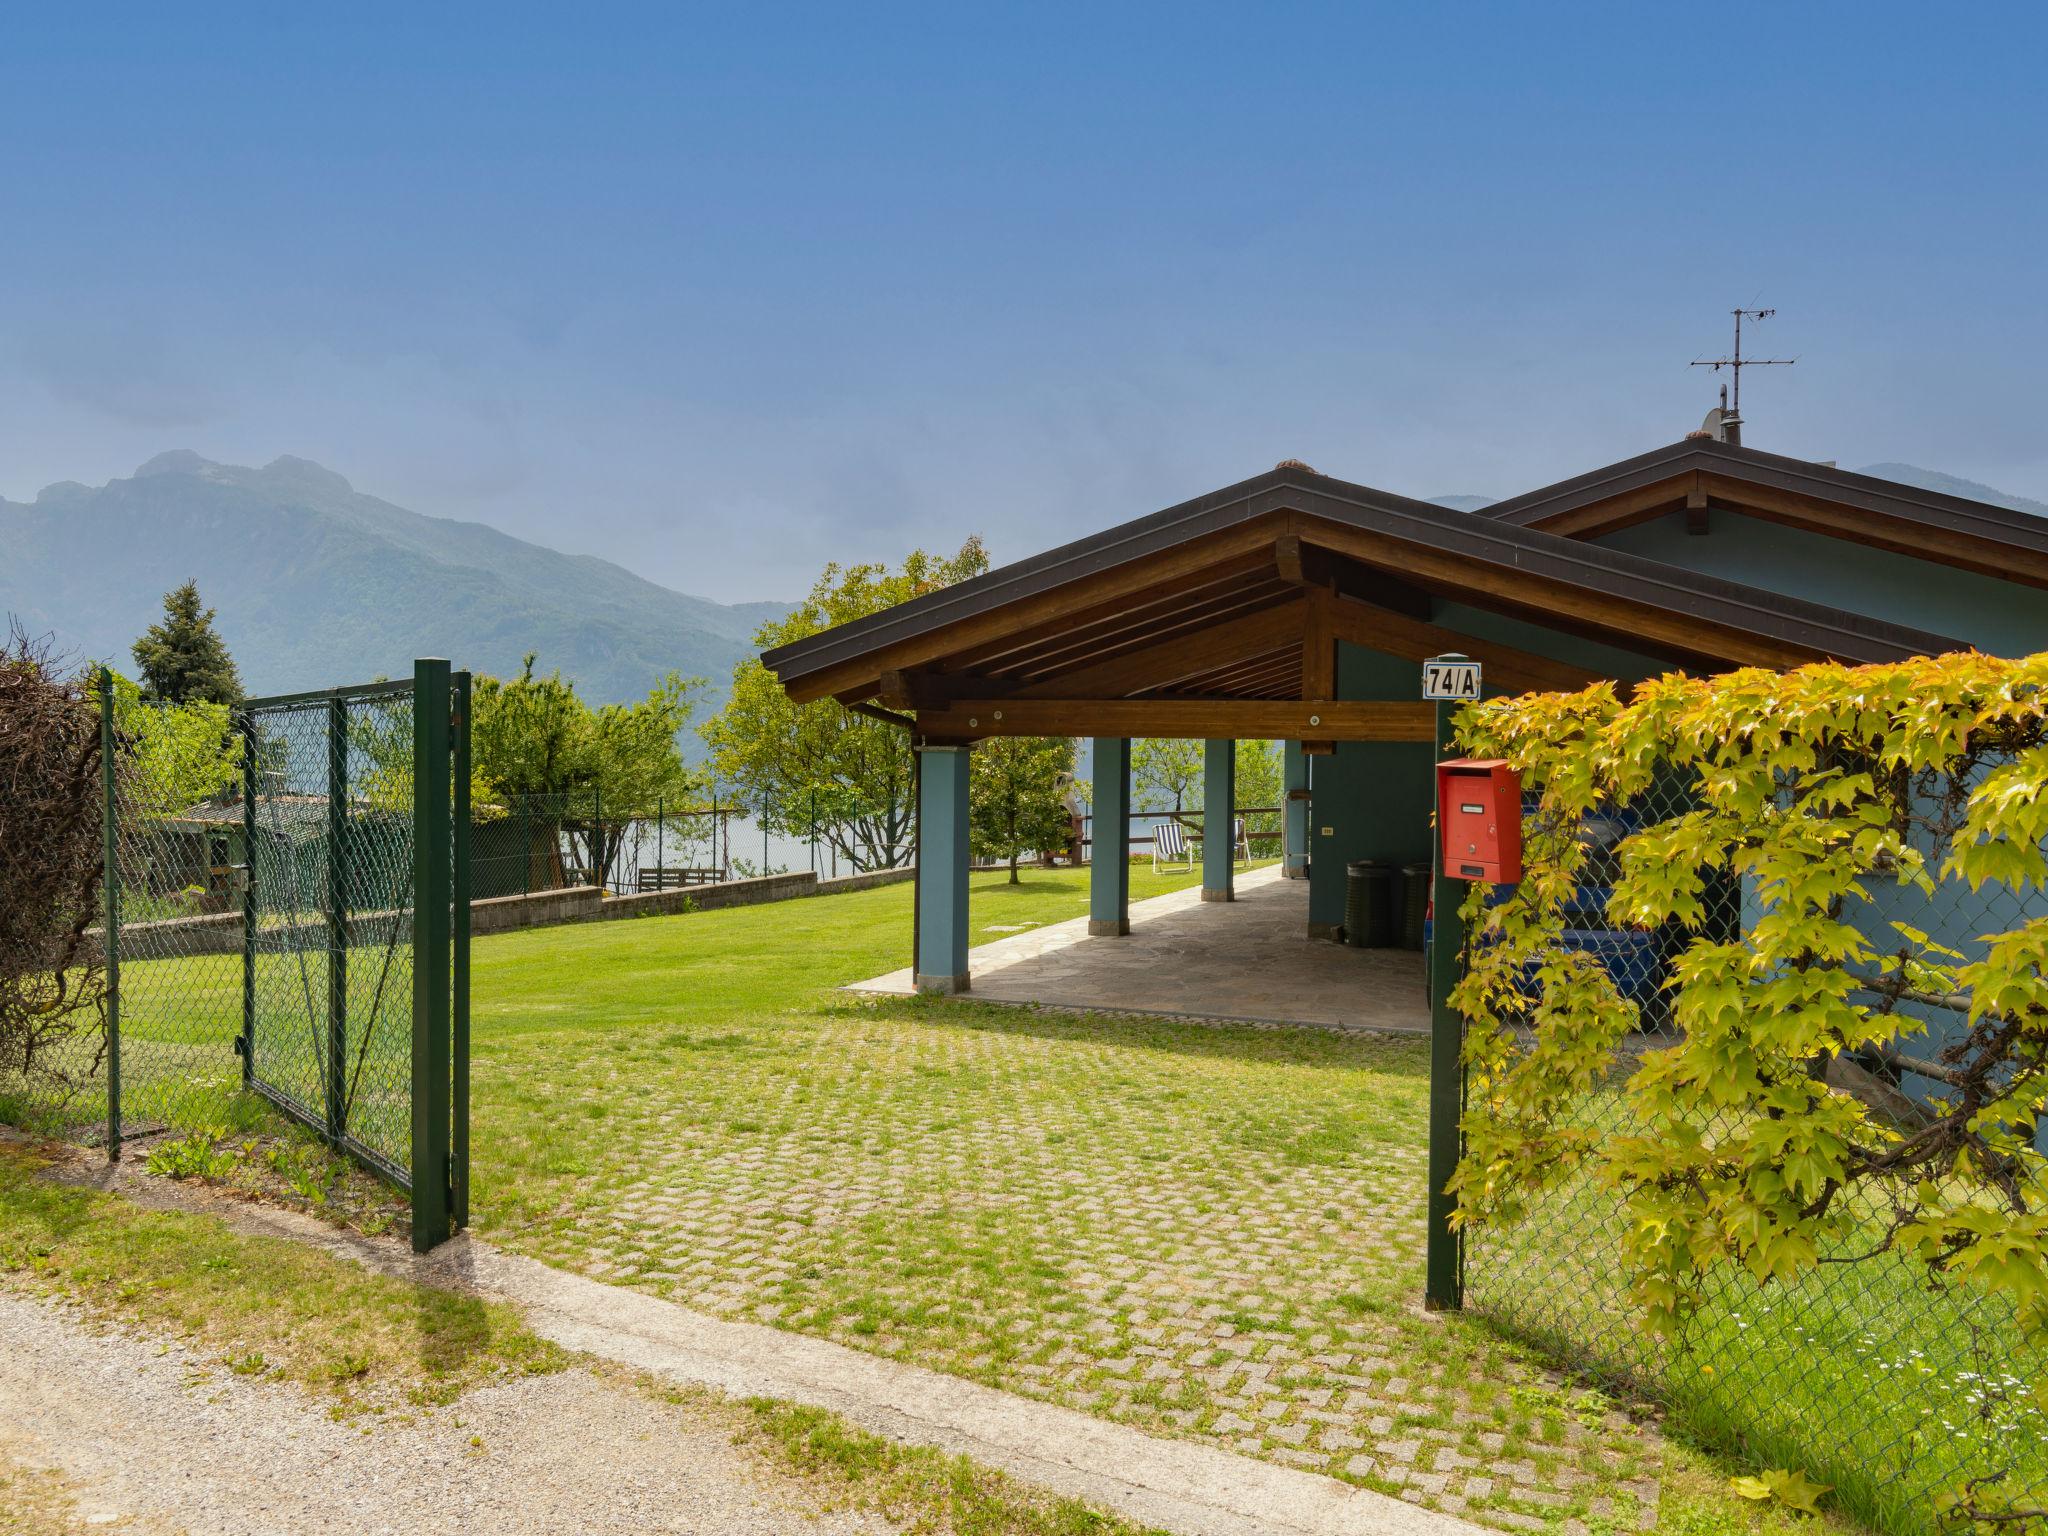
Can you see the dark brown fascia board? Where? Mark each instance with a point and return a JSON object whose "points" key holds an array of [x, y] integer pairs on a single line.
{"points": [[2003, 527], [1570, 563], [1023, 578]]}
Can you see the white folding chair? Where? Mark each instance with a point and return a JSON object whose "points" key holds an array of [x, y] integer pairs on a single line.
{"points": [[1240, 844]]}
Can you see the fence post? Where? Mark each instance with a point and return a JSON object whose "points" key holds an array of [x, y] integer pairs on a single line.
{"points": [[110, 916], [459, 988], [250, 780], [526, 845], [337, 919], [431, 979], [597, 836], [1444, 1265], [660, 843]]}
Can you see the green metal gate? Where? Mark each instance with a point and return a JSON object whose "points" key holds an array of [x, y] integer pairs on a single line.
{"points": [[338, 835]]}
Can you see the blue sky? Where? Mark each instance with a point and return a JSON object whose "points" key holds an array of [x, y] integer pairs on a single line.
{"points": [[722, 293]]}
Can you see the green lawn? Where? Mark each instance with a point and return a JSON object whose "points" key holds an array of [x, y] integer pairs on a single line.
{"points": [[1893, 1390], [1210, 1231], [1205, 1231]]}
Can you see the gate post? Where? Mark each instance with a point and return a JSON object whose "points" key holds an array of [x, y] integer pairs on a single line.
{"points": [[459, 989], [337, 918], [250, 780], [110, 916], [432, 873], [1444, 1265]]}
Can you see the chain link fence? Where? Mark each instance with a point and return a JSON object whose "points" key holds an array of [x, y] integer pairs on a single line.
{"points": [[284, 923], [1869, 1372]]}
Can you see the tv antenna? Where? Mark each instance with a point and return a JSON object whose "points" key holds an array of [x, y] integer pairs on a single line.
{"points": [[1736, 362]]}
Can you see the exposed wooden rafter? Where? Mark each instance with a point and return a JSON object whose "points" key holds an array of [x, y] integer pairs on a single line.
{"points": [[1177, 657], [1204, 718]]}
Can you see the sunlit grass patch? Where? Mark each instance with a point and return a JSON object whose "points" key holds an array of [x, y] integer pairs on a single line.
{"points": [[262, 1306]]}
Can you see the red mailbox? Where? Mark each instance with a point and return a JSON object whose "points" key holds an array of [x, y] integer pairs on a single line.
{"points": [[1479, 817]]}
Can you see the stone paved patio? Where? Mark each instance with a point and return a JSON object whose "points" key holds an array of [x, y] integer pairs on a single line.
{"points": [[1249, 960]]}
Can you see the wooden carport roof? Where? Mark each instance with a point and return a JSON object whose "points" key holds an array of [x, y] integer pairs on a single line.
{"points": [[1699, 474], [1219, 617]]}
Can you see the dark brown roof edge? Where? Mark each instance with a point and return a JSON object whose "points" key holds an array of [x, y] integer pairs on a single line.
{"points": [[1712, 599], [2005, 527]]}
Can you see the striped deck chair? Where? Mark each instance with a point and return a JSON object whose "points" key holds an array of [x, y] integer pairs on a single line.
{"points": [[1170, 846]]}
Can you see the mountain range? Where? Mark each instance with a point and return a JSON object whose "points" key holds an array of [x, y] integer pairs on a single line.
{"points": [[317, 584]]}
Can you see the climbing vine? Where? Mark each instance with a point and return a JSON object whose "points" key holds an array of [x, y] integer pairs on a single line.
{"points": [[1833, 800]]}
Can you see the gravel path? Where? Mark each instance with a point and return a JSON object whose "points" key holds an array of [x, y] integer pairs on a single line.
{"points": [[162, 1441]]}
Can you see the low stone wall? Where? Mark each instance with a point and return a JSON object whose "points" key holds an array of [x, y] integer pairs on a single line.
{"points": [[220, 933], [541, 909], [867, 882], [742, 893], [707, 898]]}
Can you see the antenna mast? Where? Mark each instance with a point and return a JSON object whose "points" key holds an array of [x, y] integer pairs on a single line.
{"points": [[1737, 362]]}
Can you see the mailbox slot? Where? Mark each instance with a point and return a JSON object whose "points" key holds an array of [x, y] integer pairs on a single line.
{"points": [[1479, 814]]}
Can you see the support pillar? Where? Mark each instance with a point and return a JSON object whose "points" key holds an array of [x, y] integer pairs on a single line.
{"points": [[942, 869], [1444, 1261], [1219, 806], [1294, 811], [1109, 856]]}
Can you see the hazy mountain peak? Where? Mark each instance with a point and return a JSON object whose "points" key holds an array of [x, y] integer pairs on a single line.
{"points": [[1462, 503], [293, 470], [317, 584], [176, 461]]}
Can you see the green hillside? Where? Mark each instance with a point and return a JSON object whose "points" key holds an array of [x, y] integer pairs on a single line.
{"points": [[317, 584]]}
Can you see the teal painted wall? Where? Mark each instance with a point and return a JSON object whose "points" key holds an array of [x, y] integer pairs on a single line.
{"points": [[1607, 660], [2000, 617], [1372, 799]]}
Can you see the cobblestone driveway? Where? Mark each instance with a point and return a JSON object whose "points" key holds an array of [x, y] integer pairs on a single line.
{"points": [[1210, 1230]]}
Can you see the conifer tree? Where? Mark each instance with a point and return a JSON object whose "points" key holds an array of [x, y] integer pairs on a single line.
{"points": [[183, 659]]}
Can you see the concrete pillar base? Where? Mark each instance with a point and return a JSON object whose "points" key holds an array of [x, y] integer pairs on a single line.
{"points": [[1211, 893], [1294, 872], [1108, 927], [1333, 932], [942, 986]]}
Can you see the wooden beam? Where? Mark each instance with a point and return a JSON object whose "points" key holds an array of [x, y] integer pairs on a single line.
{"points": [[1209, 719], [1307, 564], [1166, 662], [1696, 506], [1624, 622], [934, 690], [1319, 649], [1145, 649], [1246, 546], [1506, 668], [1138, 619], [1943, 545], [1619, 511]]}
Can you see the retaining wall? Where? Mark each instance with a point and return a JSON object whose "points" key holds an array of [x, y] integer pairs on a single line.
{"points": [[220, 933]]}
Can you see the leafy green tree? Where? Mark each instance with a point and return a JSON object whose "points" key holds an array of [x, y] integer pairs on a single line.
{"points": [[1167, 769], [819, 767], [1259, 784], [1017, 797], [182, 658], [599, 770], [171, 757]]}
